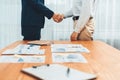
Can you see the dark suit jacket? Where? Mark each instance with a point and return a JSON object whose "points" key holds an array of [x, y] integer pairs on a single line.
{"points": [[33, 18], [33, 13]]}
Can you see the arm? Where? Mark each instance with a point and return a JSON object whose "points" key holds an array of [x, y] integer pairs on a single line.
{"points": [[75, 10], [68, 14], [40, 8], [83, 18]]}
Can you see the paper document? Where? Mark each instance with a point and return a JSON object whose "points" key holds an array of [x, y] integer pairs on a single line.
{"points": [[57, 72], [68, 57], [25, 49], [23, 59], [78, 48]]}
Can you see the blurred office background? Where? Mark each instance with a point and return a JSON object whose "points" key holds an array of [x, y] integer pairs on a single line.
{"points": [[107, 20]]}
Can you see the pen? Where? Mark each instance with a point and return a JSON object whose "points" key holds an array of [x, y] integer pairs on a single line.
{"points": [[68, 71], [41, 65]]}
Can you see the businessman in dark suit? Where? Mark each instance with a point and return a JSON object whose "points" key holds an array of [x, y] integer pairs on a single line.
{"points": [[33, 18]]}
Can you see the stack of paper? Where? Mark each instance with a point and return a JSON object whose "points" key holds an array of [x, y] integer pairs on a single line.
{"points": [[40, 42], [68, 53]]}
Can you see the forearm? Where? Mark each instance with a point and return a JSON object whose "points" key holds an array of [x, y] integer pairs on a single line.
{"points": [[78, 29], [85, 13], [68, 14]]}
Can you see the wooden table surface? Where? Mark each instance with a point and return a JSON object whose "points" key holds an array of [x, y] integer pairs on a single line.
{"points": [[103, 60]]}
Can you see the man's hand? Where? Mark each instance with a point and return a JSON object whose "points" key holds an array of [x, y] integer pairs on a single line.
{"points": [[58, 17], [74, 36]]}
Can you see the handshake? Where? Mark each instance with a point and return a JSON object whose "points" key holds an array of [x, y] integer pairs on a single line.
{"points": [[58, 17]]}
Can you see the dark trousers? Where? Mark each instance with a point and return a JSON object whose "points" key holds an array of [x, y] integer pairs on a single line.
{"points": [[31, 32]]}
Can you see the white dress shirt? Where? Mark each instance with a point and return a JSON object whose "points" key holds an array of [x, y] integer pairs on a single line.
{"points": [[84, 9]]}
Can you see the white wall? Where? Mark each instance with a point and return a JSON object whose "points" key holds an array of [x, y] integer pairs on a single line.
{"points": [[10, 22], [10, 11], [107, 18]]}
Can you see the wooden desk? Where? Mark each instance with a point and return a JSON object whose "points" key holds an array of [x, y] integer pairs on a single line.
{"points": [[103, 60]]}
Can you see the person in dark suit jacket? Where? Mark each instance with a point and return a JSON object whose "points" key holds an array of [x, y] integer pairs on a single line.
{"points": [[33, 18]]}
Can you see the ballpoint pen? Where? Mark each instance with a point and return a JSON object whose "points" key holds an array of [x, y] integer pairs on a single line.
{"points": [[41, 65], [68, 71]]}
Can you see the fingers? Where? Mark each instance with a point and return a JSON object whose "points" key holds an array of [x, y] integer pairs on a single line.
{"points": [[58, 17], [73, 36]]}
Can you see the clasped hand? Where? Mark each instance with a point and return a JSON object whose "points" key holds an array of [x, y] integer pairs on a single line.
{"points": [[58, 17]]}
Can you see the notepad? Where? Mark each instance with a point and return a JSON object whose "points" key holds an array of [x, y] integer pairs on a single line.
{"points": [[57, 72]]}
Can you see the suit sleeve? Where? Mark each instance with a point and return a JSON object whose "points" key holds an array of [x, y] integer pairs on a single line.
{"points": [[41, 8]]}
